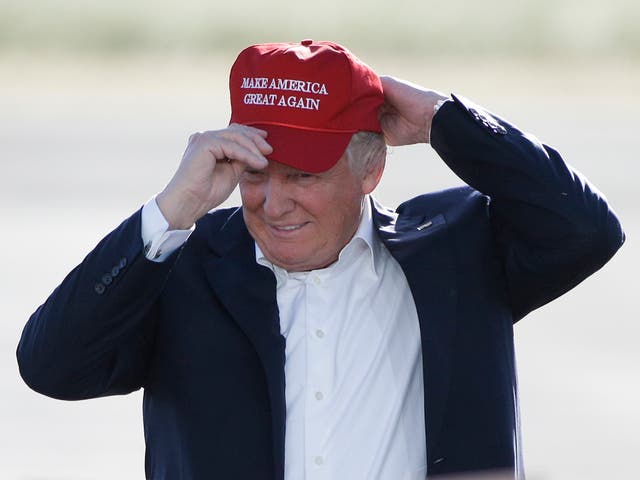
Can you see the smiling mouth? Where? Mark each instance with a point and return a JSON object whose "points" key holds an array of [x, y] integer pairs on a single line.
{"points": [[288, 228]]}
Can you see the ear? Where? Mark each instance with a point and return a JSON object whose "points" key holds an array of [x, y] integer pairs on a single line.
{"points": [[373, 175]]}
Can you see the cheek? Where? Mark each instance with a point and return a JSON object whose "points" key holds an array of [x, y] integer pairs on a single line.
{"points": [[342, 216], [251, 196]]}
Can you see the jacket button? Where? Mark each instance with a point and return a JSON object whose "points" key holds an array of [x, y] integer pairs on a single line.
{"points": [[122, 263], [107, 279], [115, 271], [99, 288]]}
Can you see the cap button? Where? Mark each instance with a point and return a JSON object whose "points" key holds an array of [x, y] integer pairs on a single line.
{"points": [[306, 42]]}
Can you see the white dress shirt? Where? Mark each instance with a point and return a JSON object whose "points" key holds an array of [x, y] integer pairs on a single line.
{"points": [[353, 370]]}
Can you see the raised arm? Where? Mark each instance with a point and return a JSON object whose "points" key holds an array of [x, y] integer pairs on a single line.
{"points": [[93, 336], [553, 228]]}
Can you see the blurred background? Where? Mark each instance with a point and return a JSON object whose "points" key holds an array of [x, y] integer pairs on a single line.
{"points": [[97, 100]]}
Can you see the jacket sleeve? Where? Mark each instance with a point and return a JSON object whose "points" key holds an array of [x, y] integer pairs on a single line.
{"points": [[552, 227], [93, 335]]}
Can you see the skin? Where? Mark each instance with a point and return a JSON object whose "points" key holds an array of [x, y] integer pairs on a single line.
{"points": [[300, 221], [407, 112]]}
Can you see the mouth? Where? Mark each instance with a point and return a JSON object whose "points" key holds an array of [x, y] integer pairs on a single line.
{"points": [[287, 229]]}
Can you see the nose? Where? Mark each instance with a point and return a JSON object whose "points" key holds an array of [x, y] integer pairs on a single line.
{"points": [[278, 200]]}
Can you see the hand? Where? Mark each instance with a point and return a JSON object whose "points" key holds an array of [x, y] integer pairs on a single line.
{"points": [[406, 115], [209, 171]]}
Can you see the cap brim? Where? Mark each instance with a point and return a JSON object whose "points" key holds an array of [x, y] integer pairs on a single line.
{"points": [[307, 150]]}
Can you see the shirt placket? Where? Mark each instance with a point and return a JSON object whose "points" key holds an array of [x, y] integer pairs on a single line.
{"points": [[319, 369]]}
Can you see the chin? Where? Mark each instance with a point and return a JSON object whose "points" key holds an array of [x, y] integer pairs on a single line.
{"points": [[290, 263]]}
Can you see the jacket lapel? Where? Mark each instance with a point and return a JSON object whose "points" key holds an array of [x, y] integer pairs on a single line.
{"points": [[419, 244], [248, 292], [421, 247]]}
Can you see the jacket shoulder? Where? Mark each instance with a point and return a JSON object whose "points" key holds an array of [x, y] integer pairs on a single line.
{"points": [[441, 201]]}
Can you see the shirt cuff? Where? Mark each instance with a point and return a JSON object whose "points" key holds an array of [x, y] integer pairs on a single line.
{"points": [[436, 108], [159, 242], [439, 103]]}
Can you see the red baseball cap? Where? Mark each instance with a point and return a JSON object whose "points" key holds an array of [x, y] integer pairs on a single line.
{"points": [[310, 97]]}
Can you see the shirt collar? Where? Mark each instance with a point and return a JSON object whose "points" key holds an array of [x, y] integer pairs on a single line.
{"points": [[363, 237]]}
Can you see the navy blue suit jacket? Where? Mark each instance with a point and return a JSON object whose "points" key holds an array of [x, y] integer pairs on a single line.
{"points": [[200, 331]]}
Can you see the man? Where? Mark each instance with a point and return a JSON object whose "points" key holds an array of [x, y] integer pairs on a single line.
{"points": [[314, 333]]}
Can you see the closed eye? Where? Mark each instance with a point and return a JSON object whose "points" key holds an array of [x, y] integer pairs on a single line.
{"points": [[301, 175], [253, 175]]}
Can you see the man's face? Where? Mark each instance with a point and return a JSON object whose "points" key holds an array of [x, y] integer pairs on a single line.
{"points": [[301, 221]]}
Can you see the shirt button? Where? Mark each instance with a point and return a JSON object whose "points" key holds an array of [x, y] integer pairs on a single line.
{"points": [[319, 333], [319, 396], [317, 280], [318, 460]]}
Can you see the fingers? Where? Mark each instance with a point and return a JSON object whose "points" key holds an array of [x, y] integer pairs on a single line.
{"points": [[388, 85], [251, 138], [209, 171], [397, 90], [240, 143], [408, 111]]}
